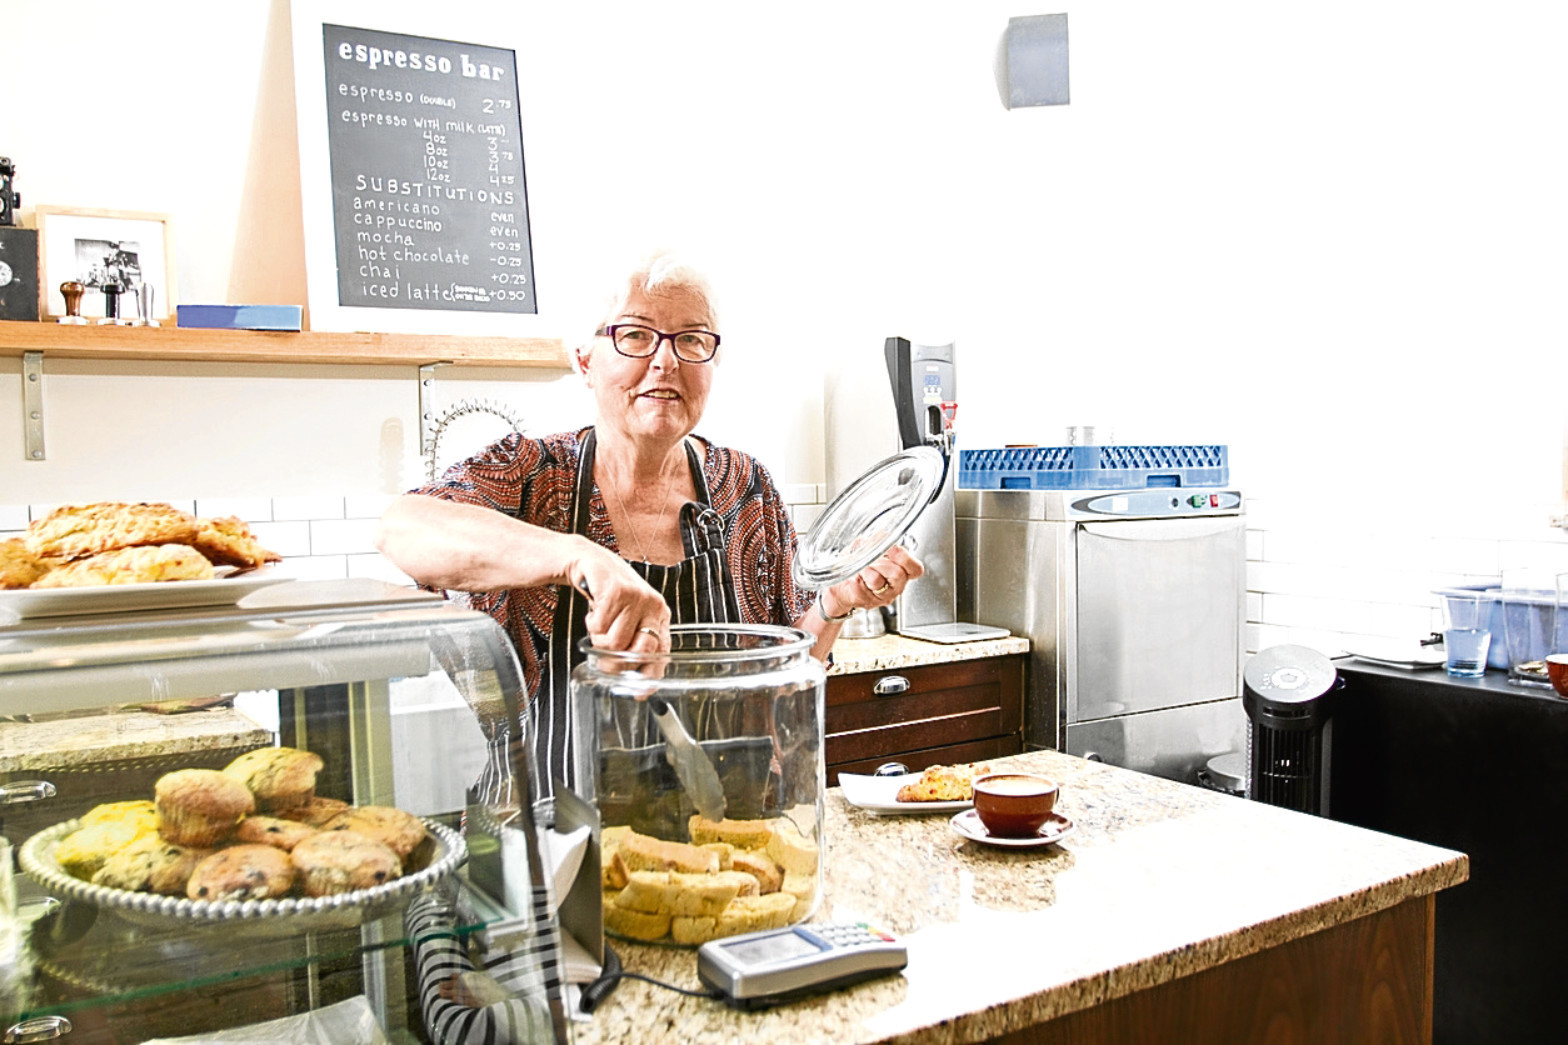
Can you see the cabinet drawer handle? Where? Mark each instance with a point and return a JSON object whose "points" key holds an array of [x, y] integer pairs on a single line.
{"points": [[888, 685], [40, 1028], [19, 791]]}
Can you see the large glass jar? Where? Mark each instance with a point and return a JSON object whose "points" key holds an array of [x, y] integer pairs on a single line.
{"points": [[708, 770]]}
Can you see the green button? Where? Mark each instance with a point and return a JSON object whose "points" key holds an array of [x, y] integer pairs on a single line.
{"points": [[1197, 500]]}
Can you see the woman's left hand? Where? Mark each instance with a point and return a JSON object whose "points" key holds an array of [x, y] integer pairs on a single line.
{"points": [[878, 584]]}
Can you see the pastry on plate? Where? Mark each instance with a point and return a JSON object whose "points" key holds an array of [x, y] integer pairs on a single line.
{"points": [[273, 831], [242, 872], [392, 827], [281, 778], [943, 784], [18, 566], [143, 564], [200, 807], [228, 541], [76, 530], [332, 862], [151, 865]]}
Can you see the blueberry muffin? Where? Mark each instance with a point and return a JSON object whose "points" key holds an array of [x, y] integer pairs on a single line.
{"points": [[333, 862], [281, 778], [273, 831], [393, 828], [316, 813], [242, 872], [200, 807], [151, 865]]}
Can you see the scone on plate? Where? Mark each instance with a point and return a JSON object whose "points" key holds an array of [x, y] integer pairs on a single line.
{"points": [[76, 530], [242, 872], [943, 784], [273, 831], [332, 862], [228, 541], [83, 852], [151, 865], [18, 566], [281, 778], [200, 807], [144, 564], [392, 827]]}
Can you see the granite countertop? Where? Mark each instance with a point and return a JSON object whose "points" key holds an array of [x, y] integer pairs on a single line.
{"points": [[885, 652], [107, 739], [1159, 880]]}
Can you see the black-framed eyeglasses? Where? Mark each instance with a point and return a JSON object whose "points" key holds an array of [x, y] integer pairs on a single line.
{"points": [[640, 342]]}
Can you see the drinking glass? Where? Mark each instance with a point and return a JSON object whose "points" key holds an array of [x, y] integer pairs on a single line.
{"points": [[1468, 637], [1529, 600]]}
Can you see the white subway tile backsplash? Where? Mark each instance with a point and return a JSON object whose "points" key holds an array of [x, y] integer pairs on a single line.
{"points": [[803, 515], [13, 517], [307, 508], [1306, 612], [250, 509], [802, 493], [314, 567], [286, 538], [1255, 544], [342, 536]]}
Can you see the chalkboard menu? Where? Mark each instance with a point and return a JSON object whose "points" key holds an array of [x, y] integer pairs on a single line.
{"points": [[430, 210]]}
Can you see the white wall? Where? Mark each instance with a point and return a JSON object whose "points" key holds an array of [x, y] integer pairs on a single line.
{"points": [[1328, 235]]}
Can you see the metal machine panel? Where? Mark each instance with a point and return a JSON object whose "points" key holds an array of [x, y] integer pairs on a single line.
{"points": [[1159, 614], [1173, 743]]}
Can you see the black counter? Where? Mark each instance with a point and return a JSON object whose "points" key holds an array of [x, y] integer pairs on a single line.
{"points": [[1480, 766]]}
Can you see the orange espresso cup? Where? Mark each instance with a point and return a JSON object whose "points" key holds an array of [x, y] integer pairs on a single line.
{"points": [[1014, 805]]}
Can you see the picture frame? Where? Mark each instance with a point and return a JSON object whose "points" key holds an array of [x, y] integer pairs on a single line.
{"points": [[94, 246]]}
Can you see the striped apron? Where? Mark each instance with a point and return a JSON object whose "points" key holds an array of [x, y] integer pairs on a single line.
{"points": [[698, 589]]}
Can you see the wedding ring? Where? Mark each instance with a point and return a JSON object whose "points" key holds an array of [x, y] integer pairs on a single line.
{"points": [[650, 631], [878, 591]]}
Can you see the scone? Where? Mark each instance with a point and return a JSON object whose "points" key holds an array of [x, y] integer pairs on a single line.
{"points": [[200, 807], [281, 778], [393, 828], [140, 810], [151, 865], [242, 872], [141, 565], [18, 566], [83, 852], [332, 862], [273, 831], [76, 530], [943, 784], [317, 812], [227, 541]]}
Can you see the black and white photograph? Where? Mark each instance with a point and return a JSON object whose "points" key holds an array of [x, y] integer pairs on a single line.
{"points": [[119, 250]]}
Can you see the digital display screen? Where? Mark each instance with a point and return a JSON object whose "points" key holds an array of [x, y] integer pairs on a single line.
{"points": [[765, 950]]}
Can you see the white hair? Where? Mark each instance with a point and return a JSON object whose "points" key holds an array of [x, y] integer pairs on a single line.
{"points": [[660, 272]]}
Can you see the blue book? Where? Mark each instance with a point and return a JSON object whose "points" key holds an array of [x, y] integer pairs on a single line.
{"points": [[240, 317]]}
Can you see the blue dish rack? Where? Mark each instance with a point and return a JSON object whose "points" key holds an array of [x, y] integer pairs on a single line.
{"points": [[1093, 467]]}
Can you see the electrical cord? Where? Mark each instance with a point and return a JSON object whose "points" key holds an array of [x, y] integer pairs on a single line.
{"points": [[614, 973]]}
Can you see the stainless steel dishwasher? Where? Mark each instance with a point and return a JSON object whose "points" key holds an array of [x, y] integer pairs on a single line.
{"points": [[1134, 604]]}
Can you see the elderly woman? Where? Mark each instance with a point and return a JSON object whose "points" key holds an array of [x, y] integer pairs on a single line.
{"points": [[617, 530]]}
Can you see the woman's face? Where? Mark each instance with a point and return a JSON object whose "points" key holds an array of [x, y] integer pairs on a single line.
{"points": [[660, 397]]}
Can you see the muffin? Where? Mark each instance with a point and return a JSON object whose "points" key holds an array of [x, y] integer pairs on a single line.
{"points": [[393, 828], [333, 862], [273, 831], [140, 810], [316, 813], [199, 807], [83, 852], [242, 872], [151, 865], [280, 777]]}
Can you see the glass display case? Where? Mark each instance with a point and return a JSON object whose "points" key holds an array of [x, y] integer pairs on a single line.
{"points": [[405, 699]]}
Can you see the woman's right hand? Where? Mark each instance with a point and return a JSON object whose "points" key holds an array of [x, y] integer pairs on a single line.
{"points": [[624, 612]]}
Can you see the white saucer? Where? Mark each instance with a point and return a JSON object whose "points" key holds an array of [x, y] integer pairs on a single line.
{"points": [[1055, 828]]}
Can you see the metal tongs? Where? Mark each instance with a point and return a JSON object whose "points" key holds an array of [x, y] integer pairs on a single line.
{"points": [[693, 768]]}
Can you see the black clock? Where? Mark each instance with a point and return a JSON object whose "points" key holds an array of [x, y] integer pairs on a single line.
{"points": [[9, 200]]}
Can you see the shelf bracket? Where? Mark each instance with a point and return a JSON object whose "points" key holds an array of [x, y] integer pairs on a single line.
{"points": [[33, 406], [427, 408]]}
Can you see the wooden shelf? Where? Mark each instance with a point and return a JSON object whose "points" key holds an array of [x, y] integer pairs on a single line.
{"points": [[185, 344]]}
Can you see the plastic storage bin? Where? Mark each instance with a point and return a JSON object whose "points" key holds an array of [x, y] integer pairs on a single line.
{"points": [[1093, 467]]}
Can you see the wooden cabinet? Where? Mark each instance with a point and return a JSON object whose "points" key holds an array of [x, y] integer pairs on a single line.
{"points": [[921, 716]]}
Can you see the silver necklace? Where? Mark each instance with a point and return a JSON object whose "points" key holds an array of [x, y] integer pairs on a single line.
{"points": [[620, 506]]}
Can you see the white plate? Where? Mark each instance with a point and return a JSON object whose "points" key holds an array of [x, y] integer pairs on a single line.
{"points": [[878, 794], [1055, 828], [28, 603], [1396, 653]]}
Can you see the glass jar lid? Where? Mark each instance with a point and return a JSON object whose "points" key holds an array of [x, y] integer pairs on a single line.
{"points": [[869, 517]]}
